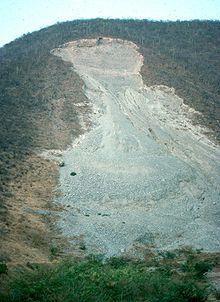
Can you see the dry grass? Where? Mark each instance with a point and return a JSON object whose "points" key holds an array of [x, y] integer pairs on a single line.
{"points": [[26, 236], [28, 182], [38, 93]]}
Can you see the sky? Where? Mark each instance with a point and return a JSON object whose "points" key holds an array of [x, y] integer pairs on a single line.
{"points": [[18, 17]]}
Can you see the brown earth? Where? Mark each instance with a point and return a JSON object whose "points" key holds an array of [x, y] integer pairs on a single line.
{"points": [[38, 89], [28, 182], [26, 236]]}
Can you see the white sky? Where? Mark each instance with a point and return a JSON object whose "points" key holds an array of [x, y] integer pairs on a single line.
{"points": [[21, 16]]}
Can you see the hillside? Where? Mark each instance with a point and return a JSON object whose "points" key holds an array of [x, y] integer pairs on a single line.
{"points": [[43, 107]]}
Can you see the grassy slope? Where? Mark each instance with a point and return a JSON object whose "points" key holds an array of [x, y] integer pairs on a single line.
{"points": [[38, 90], [169, 277]]}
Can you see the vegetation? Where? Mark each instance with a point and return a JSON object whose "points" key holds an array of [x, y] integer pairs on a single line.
{"points": [[157, 279], [38, 93], [38, 90], [183, 55]]}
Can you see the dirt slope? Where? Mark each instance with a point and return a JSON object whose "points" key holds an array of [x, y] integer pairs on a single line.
{"points": [[144, 173]]}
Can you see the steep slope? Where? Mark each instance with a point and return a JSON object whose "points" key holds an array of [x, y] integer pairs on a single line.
{"points": [[38, 89], [144, 172]]}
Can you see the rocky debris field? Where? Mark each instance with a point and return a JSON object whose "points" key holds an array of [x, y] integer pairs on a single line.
{"points": [[144, 175]]}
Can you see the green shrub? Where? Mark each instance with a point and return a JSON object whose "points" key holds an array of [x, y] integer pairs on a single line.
{"points": [[114, 280], [196, 267], [3, 268]]}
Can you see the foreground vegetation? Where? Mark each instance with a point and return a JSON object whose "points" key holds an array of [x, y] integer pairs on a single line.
{"points": [[168, 277]]}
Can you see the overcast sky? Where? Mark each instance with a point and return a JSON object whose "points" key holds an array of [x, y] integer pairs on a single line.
{"points": [[21, 16]]}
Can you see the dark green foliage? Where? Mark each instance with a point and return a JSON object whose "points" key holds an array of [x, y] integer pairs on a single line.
{"points": [[168, 255], [54, 250], [3, 268], [115, 280], [196, 267]]}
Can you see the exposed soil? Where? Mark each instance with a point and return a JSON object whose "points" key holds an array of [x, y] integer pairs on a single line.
{"points": [[144, 173], [25, 234]]}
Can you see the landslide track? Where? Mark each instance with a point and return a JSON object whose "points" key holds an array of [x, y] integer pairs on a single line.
{"points": [[145, 175]]}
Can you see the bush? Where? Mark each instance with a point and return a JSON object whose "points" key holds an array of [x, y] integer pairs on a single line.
{"points": [[197, 267], [117, 279], [3, 268]]}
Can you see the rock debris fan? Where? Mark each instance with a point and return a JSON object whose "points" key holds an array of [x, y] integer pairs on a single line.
{"points": [[144, 174]]}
